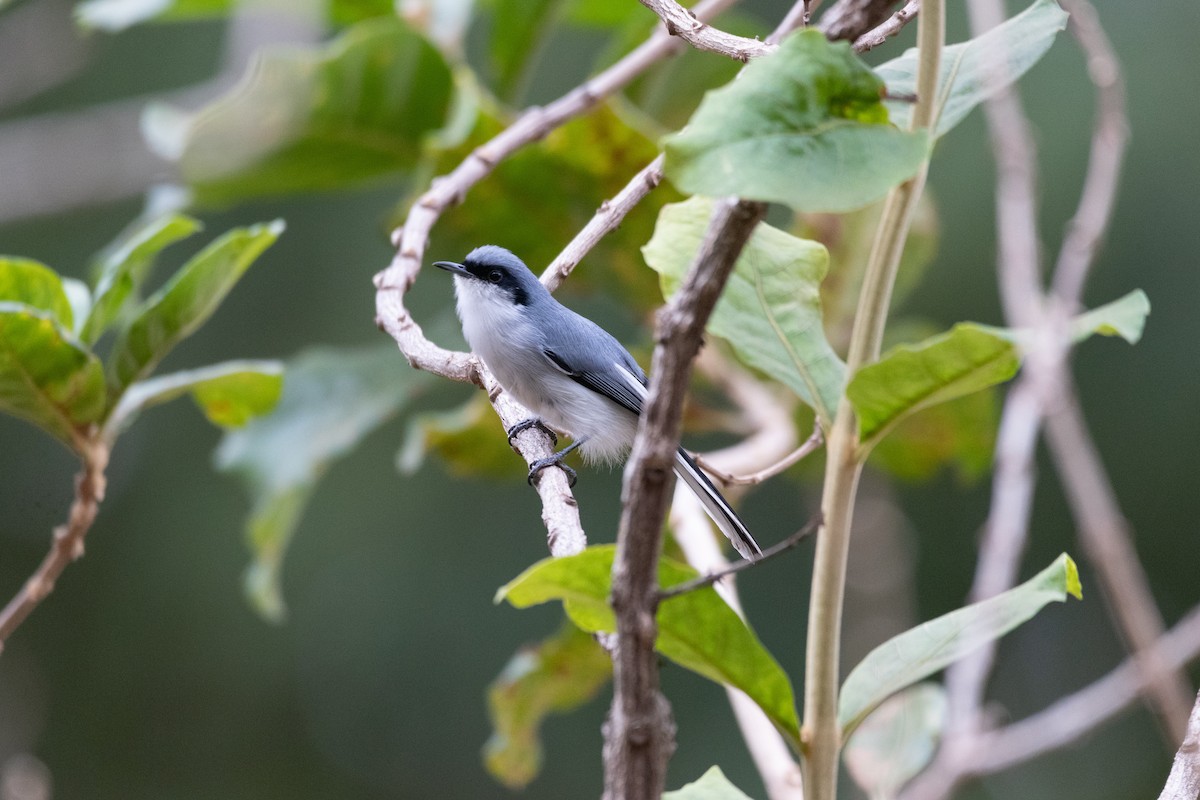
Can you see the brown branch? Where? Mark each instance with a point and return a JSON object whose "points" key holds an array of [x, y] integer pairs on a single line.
{"points": [[850, 19], [639, 733], [68, 538], [769, 413], [888, 28], [1184, 781]]}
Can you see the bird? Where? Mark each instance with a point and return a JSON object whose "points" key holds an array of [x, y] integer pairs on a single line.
{"points": [[571, 373]]}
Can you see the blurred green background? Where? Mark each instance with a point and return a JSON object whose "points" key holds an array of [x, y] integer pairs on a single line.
{"points": [[147, 674]]}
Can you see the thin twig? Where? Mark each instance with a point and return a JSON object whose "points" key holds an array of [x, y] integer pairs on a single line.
{"points": [[778, 548], [888, 28], [606, 220], [810, 445], [68, 538]]}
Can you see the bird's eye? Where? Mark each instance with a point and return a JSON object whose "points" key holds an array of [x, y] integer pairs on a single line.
{"points": [[495, 276]]}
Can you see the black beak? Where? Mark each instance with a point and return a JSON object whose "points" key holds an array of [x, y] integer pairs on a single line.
{"points": [[452, 266]]}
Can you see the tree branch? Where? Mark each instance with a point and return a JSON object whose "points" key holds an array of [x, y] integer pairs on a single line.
{"points": [[682, 23], [68, 538], [639, 733], [850, 19], [888, 28]]}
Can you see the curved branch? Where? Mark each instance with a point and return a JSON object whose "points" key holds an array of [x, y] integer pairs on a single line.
{"points": [[888, 28]]}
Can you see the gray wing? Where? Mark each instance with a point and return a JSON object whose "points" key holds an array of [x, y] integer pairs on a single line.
{"points": [[593, 358]]}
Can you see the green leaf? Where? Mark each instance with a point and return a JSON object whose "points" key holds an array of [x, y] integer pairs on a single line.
{"points": [[554, 676], [712, 785], [897, 740], [968, 69], [1125, 317], [918, 653], [230, 394], [186, 301], [123, 267], [771, 309], [331, 399], [35, 285], [911, 377], [803, 126], [696, 630], [47, 377], [113, 16], [960, 434], [312, 119]]}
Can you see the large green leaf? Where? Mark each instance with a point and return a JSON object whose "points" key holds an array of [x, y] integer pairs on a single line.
{"points": [[968, 358], [712, 785], [803, 126], [357, 108], [186, 301], [897, 740], [37, 286], [556, 675], [123, 267], [771, 309], [47, 376], [968, 70], [918, 653], [230, 394], [697, 630], [331, 399], [117, 15], [911, 377]]}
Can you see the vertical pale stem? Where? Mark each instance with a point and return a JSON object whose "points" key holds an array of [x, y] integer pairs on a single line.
{"points": [[844, 460]]}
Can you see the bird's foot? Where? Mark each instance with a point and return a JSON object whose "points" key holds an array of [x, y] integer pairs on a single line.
{"points": [[532, 422], [551, 461]]}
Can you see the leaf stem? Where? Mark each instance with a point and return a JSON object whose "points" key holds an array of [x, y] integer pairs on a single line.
{"points": [[822, 738]]}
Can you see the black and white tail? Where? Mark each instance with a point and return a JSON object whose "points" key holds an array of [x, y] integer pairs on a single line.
{"points": [[716, 505]]}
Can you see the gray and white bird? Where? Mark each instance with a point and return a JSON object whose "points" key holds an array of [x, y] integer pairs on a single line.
{"points": [[566, 369]]}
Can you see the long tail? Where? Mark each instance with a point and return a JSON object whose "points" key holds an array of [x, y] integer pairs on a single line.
{"points": [[716, 505]]}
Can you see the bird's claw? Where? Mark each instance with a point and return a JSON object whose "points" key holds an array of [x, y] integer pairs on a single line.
{"points": [[554, 460], [525, 424]]}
